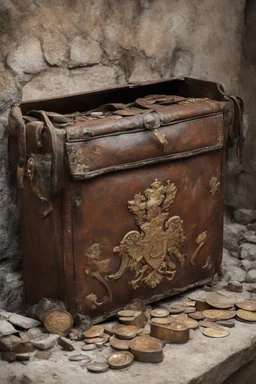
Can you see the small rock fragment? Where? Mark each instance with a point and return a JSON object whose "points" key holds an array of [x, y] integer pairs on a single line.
{"points": [[6, 328], [4, 315], [13, 343], [23, 356], [47, 343], [23, 322], [235, 286], [9, 356], [66, 344], [43, 355], [76, 334], [251, 276]]}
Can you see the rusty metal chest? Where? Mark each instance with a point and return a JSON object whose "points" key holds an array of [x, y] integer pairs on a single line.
{"points": [[122, 191]]}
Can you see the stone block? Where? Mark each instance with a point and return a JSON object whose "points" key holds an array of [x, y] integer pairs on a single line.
{"points": [[248, 251], [251, 276], [23, 322], [245, 216], [84, 52], [233, 234]]}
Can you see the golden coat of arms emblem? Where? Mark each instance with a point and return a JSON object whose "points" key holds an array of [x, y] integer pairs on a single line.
{"points": [[148, 252]]}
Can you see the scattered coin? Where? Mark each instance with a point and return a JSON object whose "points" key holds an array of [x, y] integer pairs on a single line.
{"points": [[119, 344], [147, 349], [160, 312], [80, 357], [126, 332], [246, 315], [120, 360], [219, 301], [173, 333], [190, 323], [161, 320], [88, 347], [198, 315], [216, 332], [207, 324], [189, 310], [177, 310], [97, 367], [127, 313], [246, 305], [218, 314], [94, 331], [226, 323], [126, 320], [94, 340], [201, 304]]}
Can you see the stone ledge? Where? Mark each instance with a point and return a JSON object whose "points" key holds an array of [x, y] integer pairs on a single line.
{"points": [[202, 360]]}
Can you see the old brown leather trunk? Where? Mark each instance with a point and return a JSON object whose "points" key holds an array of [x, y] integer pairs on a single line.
{"points": [[126, 200]]}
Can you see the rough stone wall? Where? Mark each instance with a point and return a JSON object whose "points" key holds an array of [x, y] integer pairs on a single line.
{"points": [[55, 47]]}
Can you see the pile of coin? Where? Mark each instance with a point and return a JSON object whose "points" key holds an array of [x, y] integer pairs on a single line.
{"points": [[142, 332]]}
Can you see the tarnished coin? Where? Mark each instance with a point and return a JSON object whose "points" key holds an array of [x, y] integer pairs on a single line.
{"points": [[97, 367], [160, 312], [190, 323], [147, 349], [218, 314], [126, 320], [246, 305], [216, 332], [162, 320], [80, 357], [94, 331], [128, 313], [198, 315], [226, 323], [246, 315], [120, 360], [94, 340], [189, 310], [119, 344], [201, 304], [218, 301], [207, 324], [126, 332], [88, 347]]}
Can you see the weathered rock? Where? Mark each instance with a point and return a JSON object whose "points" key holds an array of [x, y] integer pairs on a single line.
{"points": [[4, 315], [46, 343], [250, 236], [252, 226], [251, 276], [27, 57], [235, 286], [84, 52], [66, 344], [245, 216], [9, 356], [23, 322], [24, 356], [246, 264], [13, 343], [55, 48], [248, 251], [6, 328], [235, 273], [43, 355], [233, 234]]}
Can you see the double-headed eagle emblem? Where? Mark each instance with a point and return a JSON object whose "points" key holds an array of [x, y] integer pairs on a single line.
{"points": [[148, 252]]}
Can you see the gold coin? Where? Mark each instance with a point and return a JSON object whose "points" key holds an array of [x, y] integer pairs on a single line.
{"points": [[207, 324], [198, 315], [147, 349], [58, 321], [246, 315], [190, 323], [176, 310], [126, 332], [218, 314], [216, 332], [88, 347], [247, 305], [119, 344], [218, 301], [97, 367], [94, 331], [120, 360], [162, 320], [177, 326], [159, 312], [94, 340], [128, 313], [126, 320]]}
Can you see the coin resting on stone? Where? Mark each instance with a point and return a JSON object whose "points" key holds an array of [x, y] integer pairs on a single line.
{"points": [[88, 347], [246, 305], [120, 360], [198, 315], [246, 315], [94, 331], [207, 324], [160, 312], [95, 340], [97, 367], [218, 314], [219, 301], [216, 332], [119, 344], [147, 349], [190, 323], [126, 332]]}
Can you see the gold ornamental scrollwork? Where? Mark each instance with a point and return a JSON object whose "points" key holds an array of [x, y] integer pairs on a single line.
{"points": [[148, 253], [214, 186], [97, 266]]}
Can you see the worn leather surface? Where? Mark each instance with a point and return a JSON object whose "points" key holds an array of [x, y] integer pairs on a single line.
{"points": [[74, 253]]}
